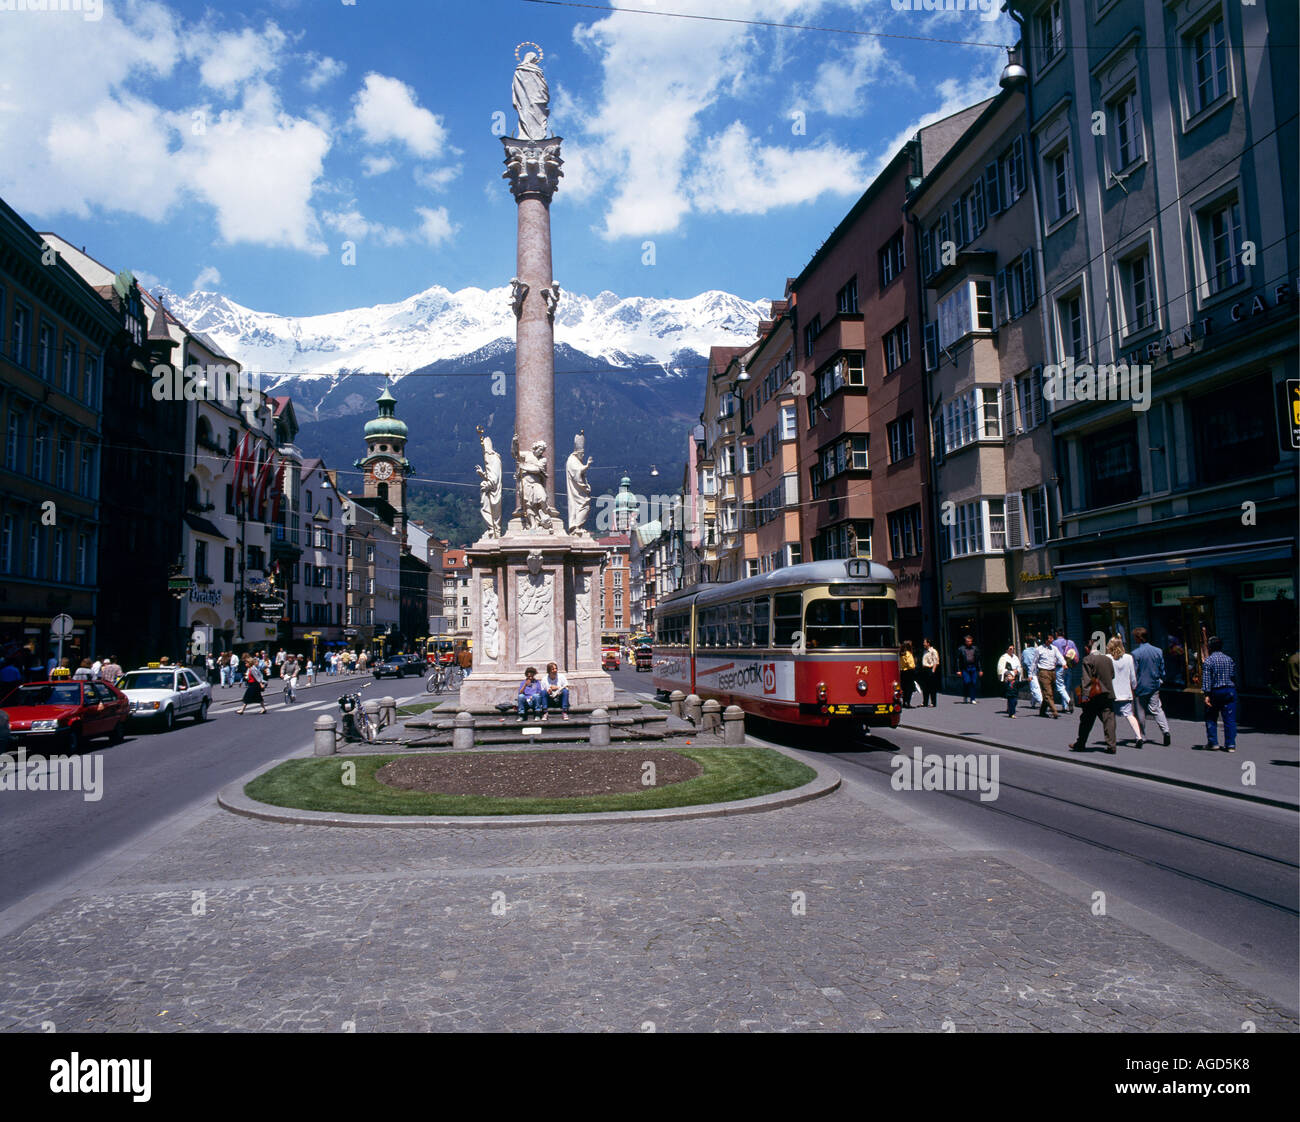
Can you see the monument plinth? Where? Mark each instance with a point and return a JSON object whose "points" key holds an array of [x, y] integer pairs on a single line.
{"points": [[534, 588]]}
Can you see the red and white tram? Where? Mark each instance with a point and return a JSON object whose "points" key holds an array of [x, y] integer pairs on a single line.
{"points": [[813, 644]]}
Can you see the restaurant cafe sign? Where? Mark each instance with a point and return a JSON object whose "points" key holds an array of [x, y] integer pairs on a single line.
{"points": [[206, 596], [1240, 312]]}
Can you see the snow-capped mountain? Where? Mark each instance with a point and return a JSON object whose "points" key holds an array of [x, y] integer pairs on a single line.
{"points": [[438, 324]]}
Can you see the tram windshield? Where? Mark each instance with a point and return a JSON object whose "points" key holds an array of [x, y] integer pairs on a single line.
{"points": [[839, 624]]}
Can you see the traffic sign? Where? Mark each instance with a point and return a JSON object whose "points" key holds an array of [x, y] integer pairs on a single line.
{"points": [[61, 626]]}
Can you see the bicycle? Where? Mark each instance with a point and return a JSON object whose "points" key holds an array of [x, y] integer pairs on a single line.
{"points": [[444, 678], [357, 723]]}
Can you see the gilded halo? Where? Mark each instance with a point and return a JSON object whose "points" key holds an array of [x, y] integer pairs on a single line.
{"points": [[529, 43]]}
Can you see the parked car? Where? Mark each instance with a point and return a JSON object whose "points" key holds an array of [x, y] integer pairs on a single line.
{"points": [[164, 694], [395, 666], [65, 714], [416, 665]]}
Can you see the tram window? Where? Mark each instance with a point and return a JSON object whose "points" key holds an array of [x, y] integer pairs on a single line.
{"points": [[787, 618], [747, 623], [851, 623], [761, 607], [733, 625]]}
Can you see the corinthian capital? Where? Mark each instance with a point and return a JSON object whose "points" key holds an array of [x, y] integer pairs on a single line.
{"points": [[532, 166]]}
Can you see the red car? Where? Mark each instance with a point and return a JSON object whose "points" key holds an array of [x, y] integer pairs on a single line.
{"points": [[65, 714]]}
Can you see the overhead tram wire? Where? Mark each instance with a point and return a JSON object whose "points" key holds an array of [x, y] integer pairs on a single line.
{"points": [[779, 26]]}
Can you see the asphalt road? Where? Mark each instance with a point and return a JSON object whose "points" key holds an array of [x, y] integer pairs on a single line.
{"points": [[1221, 868], [47, 835]]}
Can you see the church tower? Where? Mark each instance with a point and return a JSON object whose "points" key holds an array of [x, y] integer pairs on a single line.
{"points": [[385, 464]]}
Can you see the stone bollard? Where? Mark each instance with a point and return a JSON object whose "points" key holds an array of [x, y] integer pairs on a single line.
{"points": [[325, 736], [676, 702], [733, 725], [692, 709], [371, 709], [462, 738], [712, 716], [388, 710], [599, 724]]}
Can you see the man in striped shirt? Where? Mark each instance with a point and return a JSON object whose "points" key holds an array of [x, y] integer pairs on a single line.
{"points": [[1219, 684]]}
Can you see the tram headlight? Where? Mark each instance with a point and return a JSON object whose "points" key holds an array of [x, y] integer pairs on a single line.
{"points": [[898, 694], [862, 685]]}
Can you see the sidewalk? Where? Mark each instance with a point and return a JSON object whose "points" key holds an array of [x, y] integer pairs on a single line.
{"points": [[1186, 762]]}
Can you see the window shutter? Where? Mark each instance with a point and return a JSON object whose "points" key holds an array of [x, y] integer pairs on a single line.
{"points": [[977, 207], [991, 187], [945, 235], [1009, 408], [1015, 531], [1018, 165], [1004, 309], [931, 345], [958, 232], [927, 253], [1027, 268], [1039, 406]]}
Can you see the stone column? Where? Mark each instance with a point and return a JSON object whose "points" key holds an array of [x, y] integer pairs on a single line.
{"points": [[533, 169]]}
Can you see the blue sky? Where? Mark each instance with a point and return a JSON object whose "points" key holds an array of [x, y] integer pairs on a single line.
{"points": [[237, 147]]}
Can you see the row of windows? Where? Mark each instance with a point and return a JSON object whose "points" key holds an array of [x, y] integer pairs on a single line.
{"points": [[905, 532], [54, 459], [967, 418], [1002, 182], [847, 370], [51, 553], [848, 539], [769, 386], [58, 368], [789, 554]]}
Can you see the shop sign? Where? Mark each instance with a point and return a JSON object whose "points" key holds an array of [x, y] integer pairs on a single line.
{"points": [[1096, 597], [1275, 588], [206, 596], [1167, 596], [1291, 412], [1026, 578], [179, 584]]}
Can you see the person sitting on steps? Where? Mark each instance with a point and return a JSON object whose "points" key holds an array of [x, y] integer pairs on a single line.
{"points": [[531, 697]]}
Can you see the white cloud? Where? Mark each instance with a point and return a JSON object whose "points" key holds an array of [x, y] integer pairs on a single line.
{"points": [[660, 77], [207, 280], [273, 206], [230, 59], [436, 178], [435, 226], [738, 175], [386, 110], [323, 70], [840, 83], [354, 226], [377, 165]]}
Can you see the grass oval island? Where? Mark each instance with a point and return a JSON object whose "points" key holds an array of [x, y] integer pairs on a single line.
{"points": [[533, 781]]}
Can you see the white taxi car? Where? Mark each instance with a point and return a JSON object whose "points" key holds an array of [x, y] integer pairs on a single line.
{"points": [[163, 695]]}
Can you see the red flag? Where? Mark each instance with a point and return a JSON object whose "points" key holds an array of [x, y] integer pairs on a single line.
{"points": [[277, 492], [263, 481]]}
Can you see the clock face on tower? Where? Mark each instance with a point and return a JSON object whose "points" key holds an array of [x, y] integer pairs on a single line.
{"points": [[382, 470]]}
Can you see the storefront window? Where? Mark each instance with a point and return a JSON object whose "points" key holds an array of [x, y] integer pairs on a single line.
{"points": [[1267, 616], [1166, 627]]}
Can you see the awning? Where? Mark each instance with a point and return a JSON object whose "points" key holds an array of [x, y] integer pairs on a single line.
{"points": [[203, 526], [1278, 549]]}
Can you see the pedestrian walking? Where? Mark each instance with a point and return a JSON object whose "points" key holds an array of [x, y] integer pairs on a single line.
{"points": [[110, 671], [1065, 677], [1219, 685], [1095, 696], [289, 672], [254, 684], [929, 675], [907, 672], [1029, 663], [1124, 686], [968, 662], [280, 657], [1009, 674], [96, 668], [1050, 663], [311, 672], [1150, 664]]}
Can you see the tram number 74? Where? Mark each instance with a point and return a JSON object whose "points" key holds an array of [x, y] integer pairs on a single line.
{"points": [[861, 670]]}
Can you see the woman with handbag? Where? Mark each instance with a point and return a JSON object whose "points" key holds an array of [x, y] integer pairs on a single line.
{"points": [[255, 681]]}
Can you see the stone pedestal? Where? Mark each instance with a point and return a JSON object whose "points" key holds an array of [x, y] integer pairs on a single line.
{"points": [[534, 599]]}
